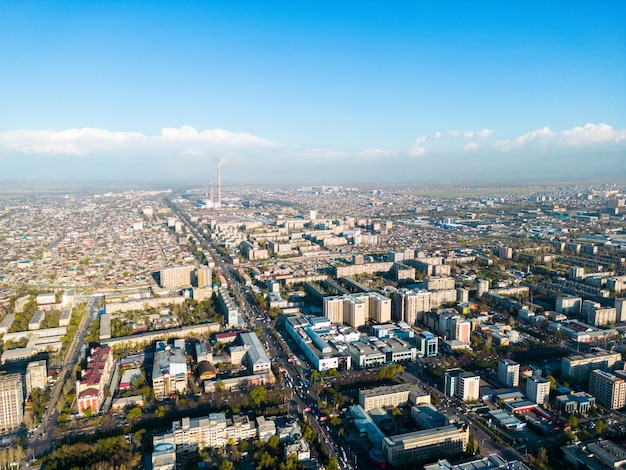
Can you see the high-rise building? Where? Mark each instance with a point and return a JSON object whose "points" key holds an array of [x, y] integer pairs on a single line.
{"points": [[482, 287], [176, 276], [36, 376], [451, 381], [409, 305], [358, 309], [508, 373], [460, 329], [11, 402], [469, 385], [204, 276], [538, 389], [609, 390], [505, 252]]}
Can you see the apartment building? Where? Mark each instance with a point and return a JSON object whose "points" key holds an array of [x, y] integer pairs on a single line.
{"points": [[176, 276], [469, 385], [94, 379], [576, 369], [358, 309], [409, 305], [36, 376], [508, 373], [169, 372], [214, 430], [609, 390], [11, 402], [538, 389]]}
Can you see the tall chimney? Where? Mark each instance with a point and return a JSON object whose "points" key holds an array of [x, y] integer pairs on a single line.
{"points": [[219, 187]]}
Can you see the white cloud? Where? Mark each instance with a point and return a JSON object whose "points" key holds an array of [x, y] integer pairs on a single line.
{"points": [[417, 150], [468, 147], [592, 134], [438, 135], [77, 141], [372, 154], [212, 136], [469, 134], [83, 141], [589, 134]]}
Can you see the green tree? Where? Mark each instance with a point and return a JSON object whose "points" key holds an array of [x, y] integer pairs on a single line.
{"points": [[333, 464], [134, 413], [552, 381], [600, 427], [258, 394], [226, 465], [573, 421]]}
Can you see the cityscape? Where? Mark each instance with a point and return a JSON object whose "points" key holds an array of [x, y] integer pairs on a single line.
{"points": [[314, 327], [313, 235]]}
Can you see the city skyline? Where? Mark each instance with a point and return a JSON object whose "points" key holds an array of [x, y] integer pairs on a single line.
{"points": [[323, 93]]}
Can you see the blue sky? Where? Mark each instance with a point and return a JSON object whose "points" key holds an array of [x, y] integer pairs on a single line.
{"points": [[314, 92]]}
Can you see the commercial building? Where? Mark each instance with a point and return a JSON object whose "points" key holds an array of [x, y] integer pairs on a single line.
{"points": [[508, 373], [579, 402], [538, 389], [256, 357], [609, 390], [427, 344], [374, 352], [169, 372], [601, 454], [425, 446], [322, 342], [90, 388], [393, 395], [11, 402]]}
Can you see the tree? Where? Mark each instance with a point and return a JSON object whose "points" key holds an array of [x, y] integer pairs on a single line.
{"points": [[573, 421], [332, 464], [134, 413], [273, 443], [552, 382], [600, 427], [258, 394], [226, 465]]}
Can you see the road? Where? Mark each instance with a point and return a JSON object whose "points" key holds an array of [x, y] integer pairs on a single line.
{"points": [[274, 343], [45, 435]]}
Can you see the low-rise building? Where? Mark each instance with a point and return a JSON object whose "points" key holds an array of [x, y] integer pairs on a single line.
{"points": [[425, 446]]}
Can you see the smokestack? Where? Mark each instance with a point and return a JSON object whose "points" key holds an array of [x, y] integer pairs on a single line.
{"points": [[219, 187]]}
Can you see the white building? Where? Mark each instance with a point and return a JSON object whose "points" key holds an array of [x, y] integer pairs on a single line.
{"points": [[538, 389]]}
